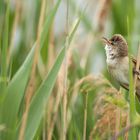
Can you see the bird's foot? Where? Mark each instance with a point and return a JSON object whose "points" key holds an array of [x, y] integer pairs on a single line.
{"points": [[136, 72]]}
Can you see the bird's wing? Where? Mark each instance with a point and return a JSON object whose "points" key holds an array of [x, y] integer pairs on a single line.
{"points": [[126, 86]]}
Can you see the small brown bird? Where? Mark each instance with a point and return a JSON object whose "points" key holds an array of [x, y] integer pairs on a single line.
{"points": [[118, 61]]}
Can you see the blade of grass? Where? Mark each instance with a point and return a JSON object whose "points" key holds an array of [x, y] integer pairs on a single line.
{"points": [[31, 84], [13, 97], [49, 21], [60, 85], [74, 28], [15, 91], [85, 19], [44, 91], [37, 104]]}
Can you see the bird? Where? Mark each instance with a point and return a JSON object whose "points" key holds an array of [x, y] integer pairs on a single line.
{"points": [[117, 60]]}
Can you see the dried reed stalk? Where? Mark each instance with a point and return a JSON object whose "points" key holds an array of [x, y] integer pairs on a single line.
{"points": [[64, 130], [104, 6], [51, 57], [30, 87], [52, 100], [59, 95], [65, 102], [51, 51], [57, 102]]}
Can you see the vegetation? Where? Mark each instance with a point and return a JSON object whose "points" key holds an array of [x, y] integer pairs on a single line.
{"points": [[54, 83]]}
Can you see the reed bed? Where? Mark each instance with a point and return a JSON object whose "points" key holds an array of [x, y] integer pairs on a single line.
{"points": [[54, 84]]}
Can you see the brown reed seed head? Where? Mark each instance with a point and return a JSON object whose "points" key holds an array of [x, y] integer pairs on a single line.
{"points": [[108, 115]]}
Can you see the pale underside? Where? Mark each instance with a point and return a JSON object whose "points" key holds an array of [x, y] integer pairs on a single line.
{"points": [[119, 68]]}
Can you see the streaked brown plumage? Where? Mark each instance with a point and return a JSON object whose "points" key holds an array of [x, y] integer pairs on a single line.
{"points": [[118, 61]]}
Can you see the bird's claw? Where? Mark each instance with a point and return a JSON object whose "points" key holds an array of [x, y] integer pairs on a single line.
{"points": [[136, 72]]}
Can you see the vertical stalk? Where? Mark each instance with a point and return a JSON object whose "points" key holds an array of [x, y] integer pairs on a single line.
{"points": [[51, 51], [85, 116], [65, 77], [3, 76], [65, 95], [30, 87], [131, 89]]}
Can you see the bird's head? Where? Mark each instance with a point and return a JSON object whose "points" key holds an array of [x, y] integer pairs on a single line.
{"points": [[116, 46]]}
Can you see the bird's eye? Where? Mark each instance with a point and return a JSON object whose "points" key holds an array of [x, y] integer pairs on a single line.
{"points": [[112, 43]]}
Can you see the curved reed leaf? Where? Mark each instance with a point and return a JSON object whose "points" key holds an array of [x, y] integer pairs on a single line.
{"points": [[41, 97], [17, 85]]}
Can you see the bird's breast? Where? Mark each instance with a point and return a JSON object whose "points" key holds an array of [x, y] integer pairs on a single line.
{"points": [[119, 69]]}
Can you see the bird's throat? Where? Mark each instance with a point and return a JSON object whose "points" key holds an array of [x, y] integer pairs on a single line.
{"points": [[110, 52]]}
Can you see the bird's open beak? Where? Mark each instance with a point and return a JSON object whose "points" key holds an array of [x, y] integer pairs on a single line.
{"points": [[106, 41]]}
